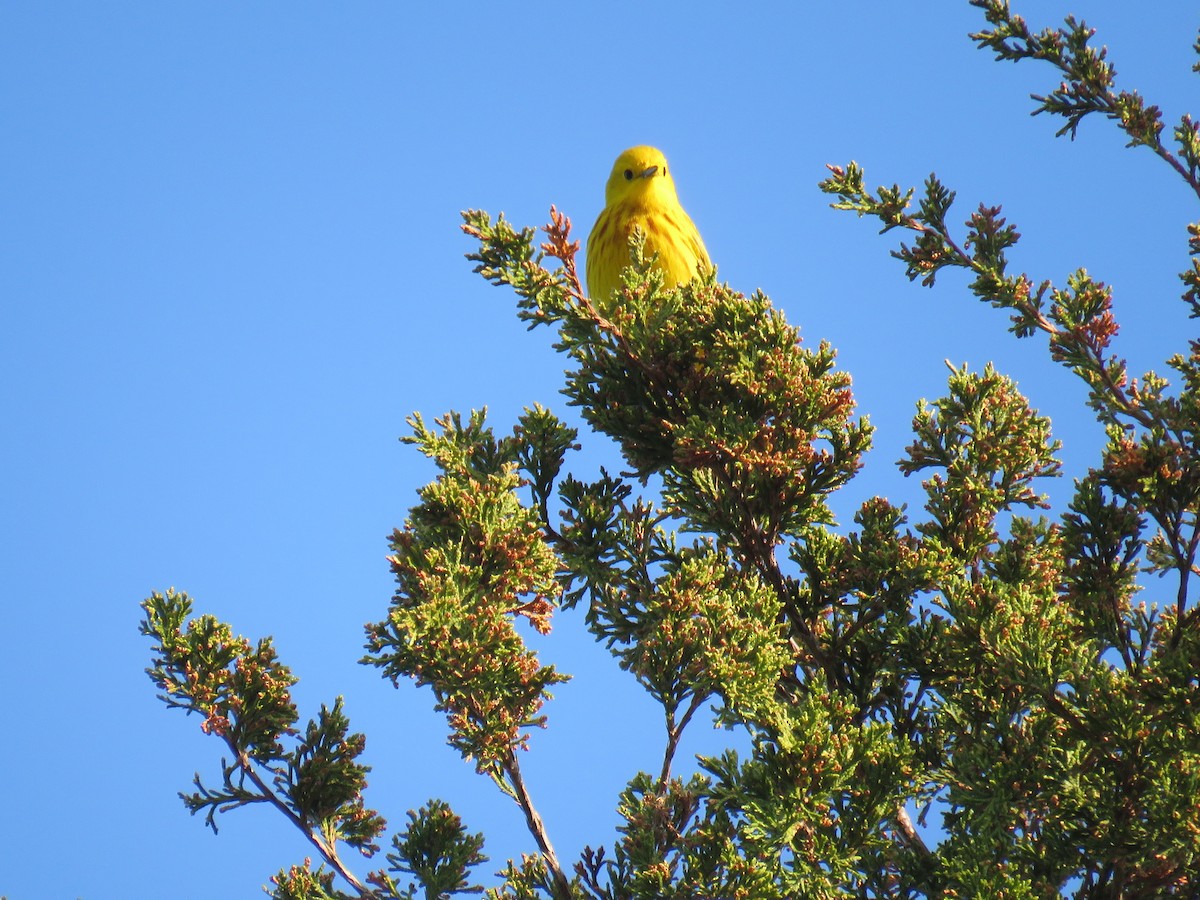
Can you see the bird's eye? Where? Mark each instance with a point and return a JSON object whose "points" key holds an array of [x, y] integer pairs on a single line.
{"points": [[664, 171], [629, 174]]}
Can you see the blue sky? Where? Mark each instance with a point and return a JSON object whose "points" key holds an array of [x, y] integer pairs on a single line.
{"points": [[230, 266]]}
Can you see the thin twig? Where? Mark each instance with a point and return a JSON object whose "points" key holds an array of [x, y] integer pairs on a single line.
{"points": [[911, 835], [674, 733], [561, 887], [328, 852], [1185, 570]]}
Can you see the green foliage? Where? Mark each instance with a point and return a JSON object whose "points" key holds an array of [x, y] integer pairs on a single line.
{"points": [[1052, 694], [995, 674], [528, 881], [438, 851], [242, 692], [303, 882], [1088, 78], [745, 454], [324, 784], [701, 629], [991, 447], [747, 429], [469, 561]]}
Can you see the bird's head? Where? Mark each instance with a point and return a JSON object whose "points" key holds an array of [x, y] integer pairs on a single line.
{"points": [[640, 173]]}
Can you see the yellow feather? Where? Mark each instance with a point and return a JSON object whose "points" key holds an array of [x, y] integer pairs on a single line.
{"points": [[641, 194]]}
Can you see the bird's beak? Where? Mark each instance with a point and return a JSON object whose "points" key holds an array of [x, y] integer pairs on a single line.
{"points": [[648, 173]]}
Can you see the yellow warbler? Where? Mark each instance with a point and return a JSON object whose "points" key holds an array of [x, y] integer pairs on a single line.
{"points": [[641, 194]]}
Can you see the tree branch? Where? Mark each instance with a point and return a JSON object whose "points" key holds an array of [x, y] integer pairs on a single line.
{"points": [[674, 733], [561, 887], [328, 851]]}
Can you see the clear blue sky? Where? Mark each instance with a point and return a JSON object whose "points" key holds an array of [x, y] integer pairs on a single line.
{"points": [[230, 266]]}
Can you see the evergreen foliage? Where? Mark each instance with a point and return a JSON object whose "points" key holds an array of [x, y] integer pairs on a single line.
{"points": [[985, 666]]}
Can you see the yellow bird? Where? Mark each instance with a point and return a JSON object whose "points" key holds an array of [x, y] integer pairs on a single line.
{"points": [[641, 194]]}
